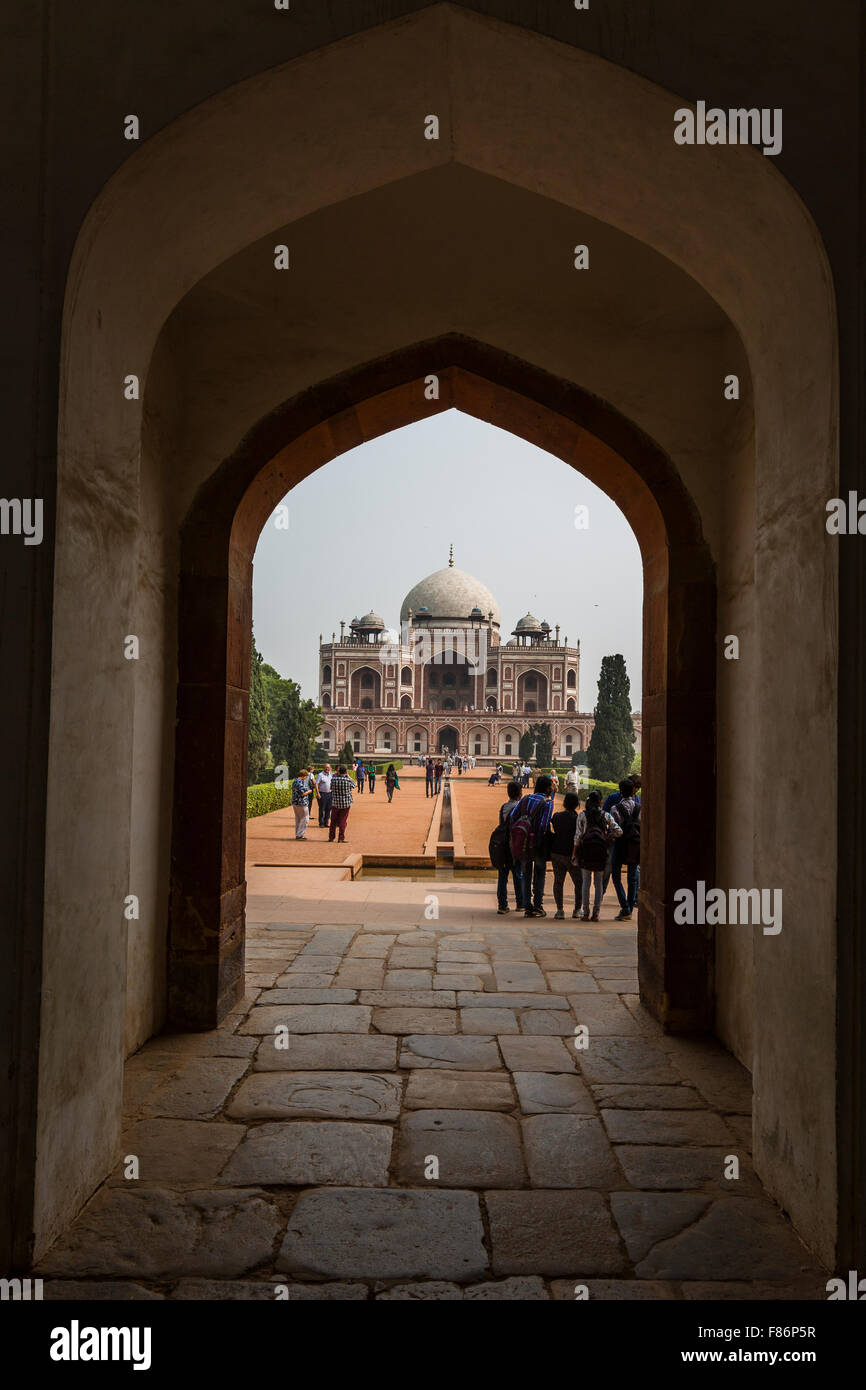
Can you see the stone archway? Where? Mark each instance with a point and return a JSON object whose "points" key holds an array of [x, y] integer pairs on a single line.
{"points": [[447, 739], [704, 213], [675, 968]]}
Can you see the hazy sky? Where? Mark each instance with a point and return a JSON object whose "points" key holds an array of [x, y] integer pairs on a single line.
{"points": [[366, 527]]}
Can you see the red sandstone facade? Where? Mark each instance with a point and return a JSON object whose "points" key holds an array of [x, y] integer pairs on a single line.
{"points": [[448, 682]]}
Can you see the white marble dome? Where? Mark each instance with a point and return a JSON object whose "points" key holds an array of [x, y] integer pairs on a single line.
{"points": [[449, 593]]}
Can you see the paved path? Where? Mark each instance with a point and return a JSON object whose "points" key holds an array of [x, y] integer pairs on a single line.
{"points": [[375, 827], [431, 1130]]}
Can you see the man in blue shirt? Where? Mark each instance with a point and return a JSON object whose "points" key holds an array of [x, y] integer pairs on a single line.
{"points": [[538, 806]]}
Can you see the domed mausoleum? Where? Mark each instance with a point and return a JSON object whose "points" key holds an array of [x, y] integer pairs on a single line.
{"points": [[447, 683]]}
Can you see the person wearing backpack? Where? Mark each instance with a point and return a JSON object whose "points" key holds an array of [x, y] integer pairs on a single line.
{"points": [[595, 830], [627, 850], [562, 832], [500, 853], [529, 821]]}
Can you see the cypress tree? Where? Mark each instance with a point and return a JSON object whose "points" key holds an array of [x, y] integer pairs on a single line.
{"points": [[611, 748], [257, 743]]}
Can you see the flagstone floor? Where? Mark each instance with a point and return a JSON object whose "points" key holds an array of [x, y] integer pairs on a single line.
{"points": [[398, 1110]]}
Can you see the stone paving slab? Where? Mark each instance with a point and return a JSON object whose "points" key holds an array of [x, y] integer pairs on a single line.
{"points": [[101, 1290], [613, 1290], [415, 1020], [176, 1153], [309, 1018], [488, 1021], [645, 1218], [238, 1290], [308, 996], [197, 1088], [370, 947], [329, 1052], [455, 1054], [623, 1097], [473, 1148], [547, 1022], [305, 1153], [549, 1233], [569, 982], [516, 977], [604, 1015], [670, 1166], [388, 1233], [409, 998], [215, 1044], [361, 974], [459, 1090], [344, 1095], [458, 982], [570, 1151], [412, 958], [544, 1092], [409, 979], [505, 1000], [154, 1234], [736, 1238], [306, 979], [666, 1127], [537, 1054], [626, 1060]]}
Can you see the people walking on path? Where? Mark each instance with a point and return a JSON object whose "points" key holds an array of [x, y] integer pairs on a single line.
{"points": [[610, 802], [504, 862], [595, 830], [323, 787], [626, 852], [525, 773], [360, 773], [371, 777], [342, 796], [301, 794], [437, 776], [561, 834], [392, 781], [428, 778], [529, 822]]}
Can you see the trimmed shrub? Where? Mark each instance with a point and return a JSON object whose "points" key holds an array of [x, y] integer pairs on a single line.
{"points": [[266, 797]]}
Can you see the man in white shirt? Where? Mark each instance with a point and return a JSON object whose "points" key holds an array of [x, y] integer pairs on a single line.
{"points": [[323, 786]]}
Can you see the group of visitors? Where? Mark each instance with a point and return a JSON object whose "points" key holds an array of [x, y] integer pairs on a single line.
{"points": [[365, 772], [588, 846], [335, 793], [433, 773]]}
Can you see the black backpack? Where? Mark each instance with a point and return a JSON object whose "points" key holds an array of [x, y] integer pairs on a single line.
{"points": [[630, 822], [592, 850], [499, 847]]}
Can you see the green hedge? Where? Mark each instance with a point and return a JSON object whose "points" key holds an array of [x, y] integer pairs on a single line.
{"points": [[267, 797]]}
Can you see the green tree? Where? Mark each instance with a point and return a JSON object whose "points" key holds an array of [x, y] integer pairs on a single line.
{"points": [[543, 744], [257, 745], [611, 748], [526, 747], [295, 727], [347, 756]]}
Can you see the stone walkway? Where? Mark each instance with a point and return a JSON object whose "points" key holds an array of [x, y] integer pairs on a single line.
{"points": [[430, 1130]]}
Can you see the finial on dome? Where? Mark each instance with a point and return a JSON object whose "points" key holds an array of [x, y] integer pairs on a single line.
{"points": [[451, 556]]}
